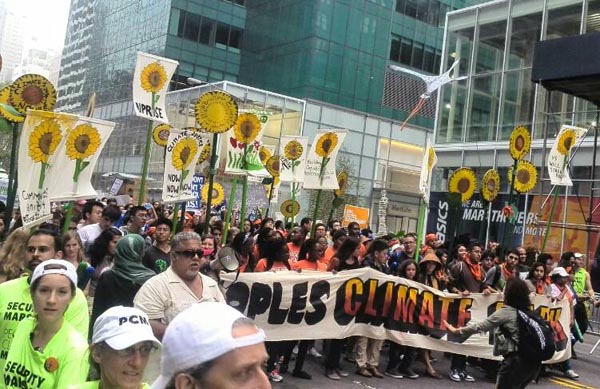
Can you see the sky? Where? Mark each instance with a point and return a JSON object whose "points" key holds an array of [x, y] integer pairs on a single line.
{"points": [[46, 19]]}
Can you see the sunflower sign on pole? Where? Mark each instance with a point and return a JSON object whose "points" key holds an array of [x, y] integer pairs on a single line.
{"points": [[292, 150], [522, 176], [462, 183], [150, 83], [30, 91], [216, 112], [558, 165], [82, 144], [320, 164]]}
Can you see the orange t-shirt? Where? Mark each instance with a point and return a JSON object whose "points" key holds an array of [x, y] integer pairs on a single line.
{"points": [[329, 253], [294, 252], [261, 266], [306, 265]]}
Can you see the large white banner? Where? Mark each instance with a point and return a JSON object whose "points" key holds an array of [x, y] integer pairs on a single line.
{"points": [[320, 162], [71, 174], [244, 141], [558, 158], [365, 302], [181, 157], [150, 83], [292, 152], [429, 161]]}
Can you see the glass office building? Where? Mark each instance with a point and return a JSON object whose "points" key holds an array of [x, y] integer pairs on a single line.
{"points": [[475, 116]]}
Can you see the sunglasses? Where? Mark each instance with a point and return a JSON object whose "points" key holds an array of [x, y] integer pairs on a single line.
{"points": [[144, 350], [191, 253]]}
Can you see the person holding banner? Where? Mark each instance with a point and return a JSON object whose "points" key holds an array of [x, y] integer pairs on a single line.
{"points": [[345, 258], [466, 277], [515, 370], [367, 349]]}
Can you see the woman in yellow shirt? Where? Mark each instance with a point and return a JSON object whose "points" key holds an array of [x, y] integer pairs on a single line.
{"points": [[47, 351]]}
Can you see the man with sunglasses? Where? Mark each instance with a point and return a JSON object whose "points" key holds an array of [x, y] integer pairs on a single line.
{"points": [[498, 275], [182, 285]]}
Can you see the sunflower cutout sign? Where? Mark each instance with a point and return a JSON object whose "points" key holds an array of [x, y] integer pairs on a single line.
{"points": [[218, 194], [150, 83], [490, 185], [290, 208], [293, 150], [32, 91], [160, 134], [558, 158], [182, 153], [244, 143], [525, 176], [7, 111], [463, 181], [76, 156], [320, 162], [429, 162], [519, 143]]}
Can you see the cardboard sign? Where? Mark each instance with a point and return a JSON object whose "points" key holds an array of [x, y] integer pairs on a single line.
{"points": [[356, 214]]}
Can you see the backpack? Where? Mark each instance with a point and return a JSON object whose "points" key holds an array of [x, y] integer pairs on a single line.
{"points": [[536, 338]]}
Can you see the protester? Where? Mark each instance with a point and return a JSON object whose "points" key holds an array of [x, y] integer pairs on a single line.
{"points": [[537, 280], [430, 273], [72, 248], [466, 277], [309, 257], [15, 297], [368, 349], [13, 255], [498, 275], [306, 225], [92, 212], [522, 266], [89, 233], [243, 247], [101, 254], [296, 238], [582, 286], [339, 236], [137, 219], [345, 258], [122, 341], [47, 349], [222, 349], [560, 290], [119, 284], [399, 368], [156, 257], [169, 293], [515, 370]]}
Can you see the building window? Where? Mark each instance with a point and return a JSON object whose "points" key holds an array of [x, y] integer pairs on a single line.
{"points": [[428, 11], [196, 28], [414, 54]]}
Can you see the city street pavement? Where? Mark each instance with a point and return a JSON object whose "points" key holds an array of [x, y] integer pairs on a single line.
{"points": [[586, 366]]}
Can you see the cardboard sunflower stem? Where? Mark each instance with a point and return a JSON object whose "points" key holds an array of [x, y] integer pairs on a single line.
{"points": [[507, 222], [12, 175], [211, 179], [316, 212], [420, 227], [244, 187], [229, 209], [146, 161], [554, 201]]}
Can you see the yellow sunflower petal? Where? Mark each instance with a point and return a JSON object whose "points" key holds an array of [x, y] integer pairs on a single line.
{"points": [[490, 185], [153, 77], [525, 177], [326, 144], [44, 140], [32, 91], [293, 150], [160, 134], [463, 181], [566, 141], [246, 128], [218, 194], [216, 111], [204, 154], [519, 143], [264, 154], [290, 208], [184, 153], [342, 179], [82, 142], [273, 166]]}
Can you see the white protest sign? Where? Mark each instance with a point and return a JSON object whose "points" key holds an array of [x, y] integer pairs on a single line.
{"points": [[558, 158], [320, 162], [150, 83]]}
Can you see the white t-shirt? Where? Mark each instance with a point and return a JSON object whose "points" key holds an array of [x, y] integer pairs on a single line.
{"points": [[88, 234]]}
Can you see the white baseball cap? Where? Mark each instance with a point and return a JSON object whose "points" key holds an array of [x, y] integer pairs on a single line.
{"points": [[578, 255], [560, 271], [122, 327], [55, 266], [200, 334]]}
